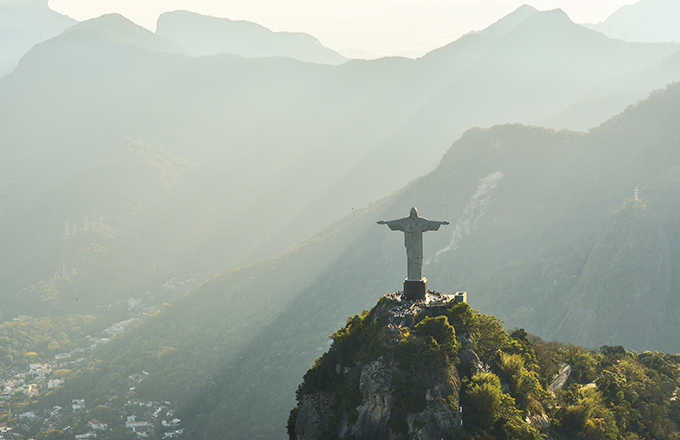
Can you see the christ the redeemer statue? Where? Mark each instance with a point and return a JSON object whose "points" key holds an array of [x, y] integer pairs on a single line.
{"points": [[413, 227]]}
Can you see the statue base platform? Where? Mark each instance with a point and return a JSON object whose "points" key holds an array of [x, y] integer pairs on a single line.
{"points": [[415, 289]]}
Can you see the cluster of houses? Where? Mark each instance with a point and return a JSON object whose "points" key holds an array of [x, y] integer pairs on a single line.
{"points": [[145, 419], [142, 418], [94, 425], [50, 418], [76, 355], [28, 382], [151, 413], [5, 431]]}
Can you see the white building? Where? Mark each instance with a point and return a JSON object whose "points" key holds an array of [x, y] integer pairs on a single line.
{"points": [[78, 404], [53, 383], [97, 425], [31, 390]]}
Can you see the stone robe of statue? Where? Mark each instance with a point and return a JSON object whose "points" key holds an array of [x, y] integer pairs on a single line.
{"points": [[413, 228]]}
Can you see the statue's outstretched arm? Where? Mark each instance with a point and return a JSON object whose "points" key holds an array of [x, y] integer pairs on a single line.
{"points": [[395, 225]]}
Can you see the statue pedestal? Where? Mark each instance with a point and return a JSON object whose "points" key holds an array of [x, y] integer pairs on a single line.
{"points": [[415, 289]]}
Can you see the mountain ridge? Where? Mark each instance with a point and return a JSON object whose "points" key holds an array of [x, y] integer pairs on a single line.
{"points": [[24, 24], [645, 21], [118, 28], [206, 35]]}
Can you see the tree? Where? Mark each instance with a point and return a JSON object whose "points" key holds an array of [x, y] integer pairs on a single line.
{"points": [[484, 398], [489, 338]]}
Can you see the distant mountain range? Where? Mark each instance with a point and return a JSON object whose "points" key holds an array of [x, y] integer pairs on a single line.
{"points": [[646, 21], [24, 23], [118, 29], [111, 122], [205, 35]]}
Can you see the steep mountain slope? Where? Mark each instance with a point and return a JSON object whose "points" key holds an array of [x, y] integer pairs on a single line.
{"points": [[516, 67], [630, 277], [24, 23], [541, 235], [205, 35], [645, 20]]}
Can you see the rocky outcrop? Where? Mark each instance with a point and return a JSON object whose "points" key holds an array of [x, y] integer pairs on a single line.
{"points": [[313, 415], [467, 355], [376, 385], [383, 380], [538, 421], [560, 379], [437, 418]]}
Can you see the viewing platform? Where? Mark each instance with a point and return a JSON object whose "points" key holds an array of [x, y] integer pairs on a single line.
{"points": [[404, 313]]}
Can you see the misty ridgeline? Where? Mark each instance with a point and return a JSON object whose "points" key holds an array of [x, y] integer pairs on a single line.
{"points": [[186, 215]]}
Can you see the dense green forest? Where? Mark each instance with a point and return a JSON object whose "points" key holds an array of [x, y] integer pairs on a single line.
{"points": [[610, 393], [27, 340]]}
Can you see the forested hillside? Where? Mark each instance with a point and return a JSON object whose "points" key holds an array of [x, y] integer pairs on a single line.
{"points": [[537, 219], [491, 384]]}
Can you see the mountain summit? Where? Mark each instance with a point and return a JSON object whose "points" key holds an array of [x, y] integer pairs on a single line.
{"points": [[434, 370], [24, 23], [117, 28], [205, 35]]}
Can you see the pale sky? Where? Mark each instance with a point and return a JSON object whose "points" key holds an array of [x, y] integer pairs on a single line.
{"points": [[352, 27]]}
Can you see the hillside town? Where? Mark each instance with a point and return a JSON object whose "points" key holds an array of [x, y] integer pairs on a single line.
{"points": [[126, 418]]}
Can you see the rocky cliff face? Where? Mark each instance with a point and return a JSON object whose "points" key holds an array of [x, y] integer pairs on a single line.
{"points": [[384, 381], [438, 418], [377, 387], [312, 417]]}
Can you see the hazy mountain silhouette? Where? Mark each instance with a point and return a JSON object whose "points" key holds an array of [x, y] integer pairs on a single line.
{"points": [[24, 23], [616, 94], [119, 29], [205, 35], [545, 233], [647, 20], [234, 142]]}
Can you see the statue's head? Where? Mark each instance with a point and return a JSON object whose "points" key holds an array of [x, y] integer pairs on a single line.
{"points": [[414, 212]]}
